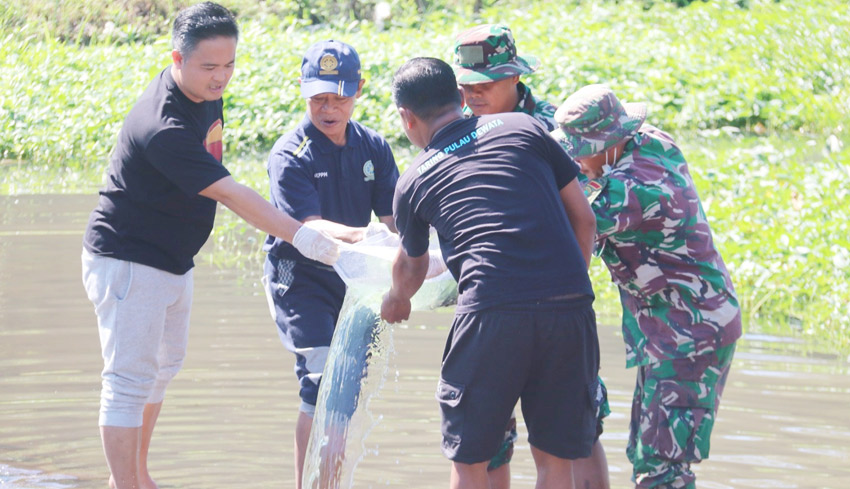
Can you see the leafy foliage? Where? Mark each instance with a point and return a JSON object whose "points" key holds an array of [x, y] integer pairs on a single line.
{"points": [[774, 67], [778, 209], [753, 94]]}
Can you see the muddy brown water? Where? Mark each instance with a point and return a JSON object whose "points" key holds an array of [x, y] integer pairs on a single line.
{"points": [[228, 417]]}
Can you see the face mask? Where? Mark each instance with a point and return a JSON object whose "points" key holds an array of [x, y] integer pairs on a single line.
{"points": [[607, 166]]}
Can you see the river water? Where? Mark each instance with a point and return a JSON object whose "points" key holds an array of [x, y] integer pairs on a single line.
{"points": [[229, 416]]}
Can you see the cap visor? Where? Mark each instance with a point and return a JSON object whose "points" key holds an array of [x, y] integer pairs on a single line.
{"points": [[520, 66], [342, 88], [466, 76], [531, 63]]}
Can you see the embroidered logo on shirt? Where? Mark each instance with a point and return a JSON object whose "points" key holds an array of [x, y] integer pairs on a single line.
{"points": [[368, 171], [321, 174]]}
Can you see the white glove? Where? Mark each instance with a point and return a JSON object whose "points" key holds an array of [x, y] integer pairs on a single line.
{"points": [[316, 245], [436, 265]]}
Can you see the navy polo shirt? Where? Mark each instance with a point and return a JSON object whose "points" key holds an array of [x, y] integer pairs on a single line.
{"points": [[490, 186], [311, 176], [168, 150]]}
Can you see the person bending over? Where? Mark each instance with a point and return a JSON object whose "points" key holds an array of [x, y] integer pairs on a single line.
{"points": [[524, 324]]}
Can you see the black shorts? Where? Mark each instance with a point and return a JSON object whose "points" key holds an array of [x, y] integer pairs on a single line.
{"points": [[546, 354]]}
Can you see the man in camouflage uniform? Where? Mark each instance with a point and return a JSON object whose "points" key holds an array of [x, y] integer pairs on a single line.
{"points": [[488, 68], [680, 313]]}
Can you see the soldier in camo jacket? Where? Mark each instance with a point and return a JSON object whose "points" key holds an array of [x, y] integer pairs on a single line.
{"points": [[488, 68], [680, 313]]}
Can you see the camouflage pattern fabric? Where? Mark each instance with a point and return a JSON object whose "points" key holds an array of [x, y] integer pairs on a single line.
{"points": [[541, 110], [677, 297], [487, 53], [506, 451], [673, 412], [593, 119]]}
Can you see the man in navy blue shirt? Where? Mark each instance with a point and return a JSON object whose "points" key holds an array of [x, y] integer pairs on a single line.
{"points": [[488, 68], [516, 233], [154, 214], [333, 168]]}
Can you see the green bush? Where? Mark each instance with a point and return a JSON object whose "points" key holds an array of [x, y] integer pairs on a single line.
{"points": [[778, 210], [752, 95], [774, 67]]}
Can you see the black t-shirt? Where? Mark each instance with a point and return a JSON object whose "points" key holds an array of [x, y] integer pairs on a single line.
{"points": [[490, 187], [168, 150]]}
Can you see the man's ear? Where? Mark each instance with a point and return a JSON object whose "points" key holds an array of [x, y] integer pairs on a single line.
{"points": [[177, 58], [407, 117], [360, 88]]}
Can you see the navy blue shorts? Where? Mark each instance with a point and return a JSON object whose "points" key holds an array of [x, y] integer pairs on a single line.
{"points": [[546, 354], [306, 300]]}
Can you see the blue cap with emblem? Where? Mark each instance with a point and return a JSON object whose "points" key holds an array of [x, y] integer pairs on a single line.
{"points": [[330, 67]]}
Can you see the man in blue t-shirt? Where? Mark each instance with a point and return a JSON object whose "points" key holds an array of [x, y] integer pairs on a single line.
{"points": [[524, 325], [154, 214], [329, 167]]}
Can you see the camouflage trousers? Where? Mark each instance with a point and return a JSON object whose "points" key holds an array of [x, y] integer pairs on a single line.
{"points": [[673, 411]]}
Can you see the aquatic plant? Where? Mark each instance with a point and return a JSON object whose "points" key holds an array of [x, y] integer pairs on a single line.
{"points": [[759, 98]]}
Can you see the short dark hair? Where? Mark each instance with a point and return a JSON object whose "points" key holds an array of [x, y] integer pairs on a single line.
{"points": [[200, 22], [426, 87]]}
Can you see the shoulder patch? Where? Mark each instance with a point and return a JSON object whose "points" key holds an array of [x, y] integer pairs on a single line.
{"points": [[593, 188], [301, 148]]}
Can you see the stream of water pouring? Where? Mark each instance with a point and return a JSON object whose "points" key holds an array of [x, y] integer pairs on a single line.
{"points": [[357, 361]]}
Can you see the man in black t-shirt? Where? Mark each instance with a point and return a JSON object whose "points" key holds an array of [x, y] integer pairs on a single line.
{"points": [[516, 233], [488, 69], [154, 214]]}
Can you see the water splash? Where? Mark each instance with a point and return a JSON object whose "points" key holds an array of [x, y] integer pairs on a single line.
{"points": [[14, 478], [357, 362]]}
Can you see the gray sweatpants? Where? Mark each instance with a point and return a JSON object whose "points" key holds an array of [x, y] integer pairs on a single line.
{"points": [[143, 320]]}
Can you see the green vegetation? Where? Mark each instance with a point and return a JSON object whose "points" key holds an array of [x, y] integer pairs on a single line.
{"points": [[758, 96]]}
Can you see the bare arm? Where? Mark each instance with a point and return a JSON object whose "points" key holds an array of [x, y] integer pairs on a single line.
{"points": [[252, 207], [408, 275], [581, 217]]}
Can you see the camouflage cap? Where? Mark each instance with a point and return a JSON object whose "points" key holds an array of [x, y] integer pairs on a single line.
{"points": [[593, 119], [487, 53]]}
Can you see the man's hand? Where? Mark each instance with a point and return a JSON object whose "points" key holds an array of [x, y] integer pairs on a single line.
{"points": [[394, 309], [315, 245], [408, 275]]}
